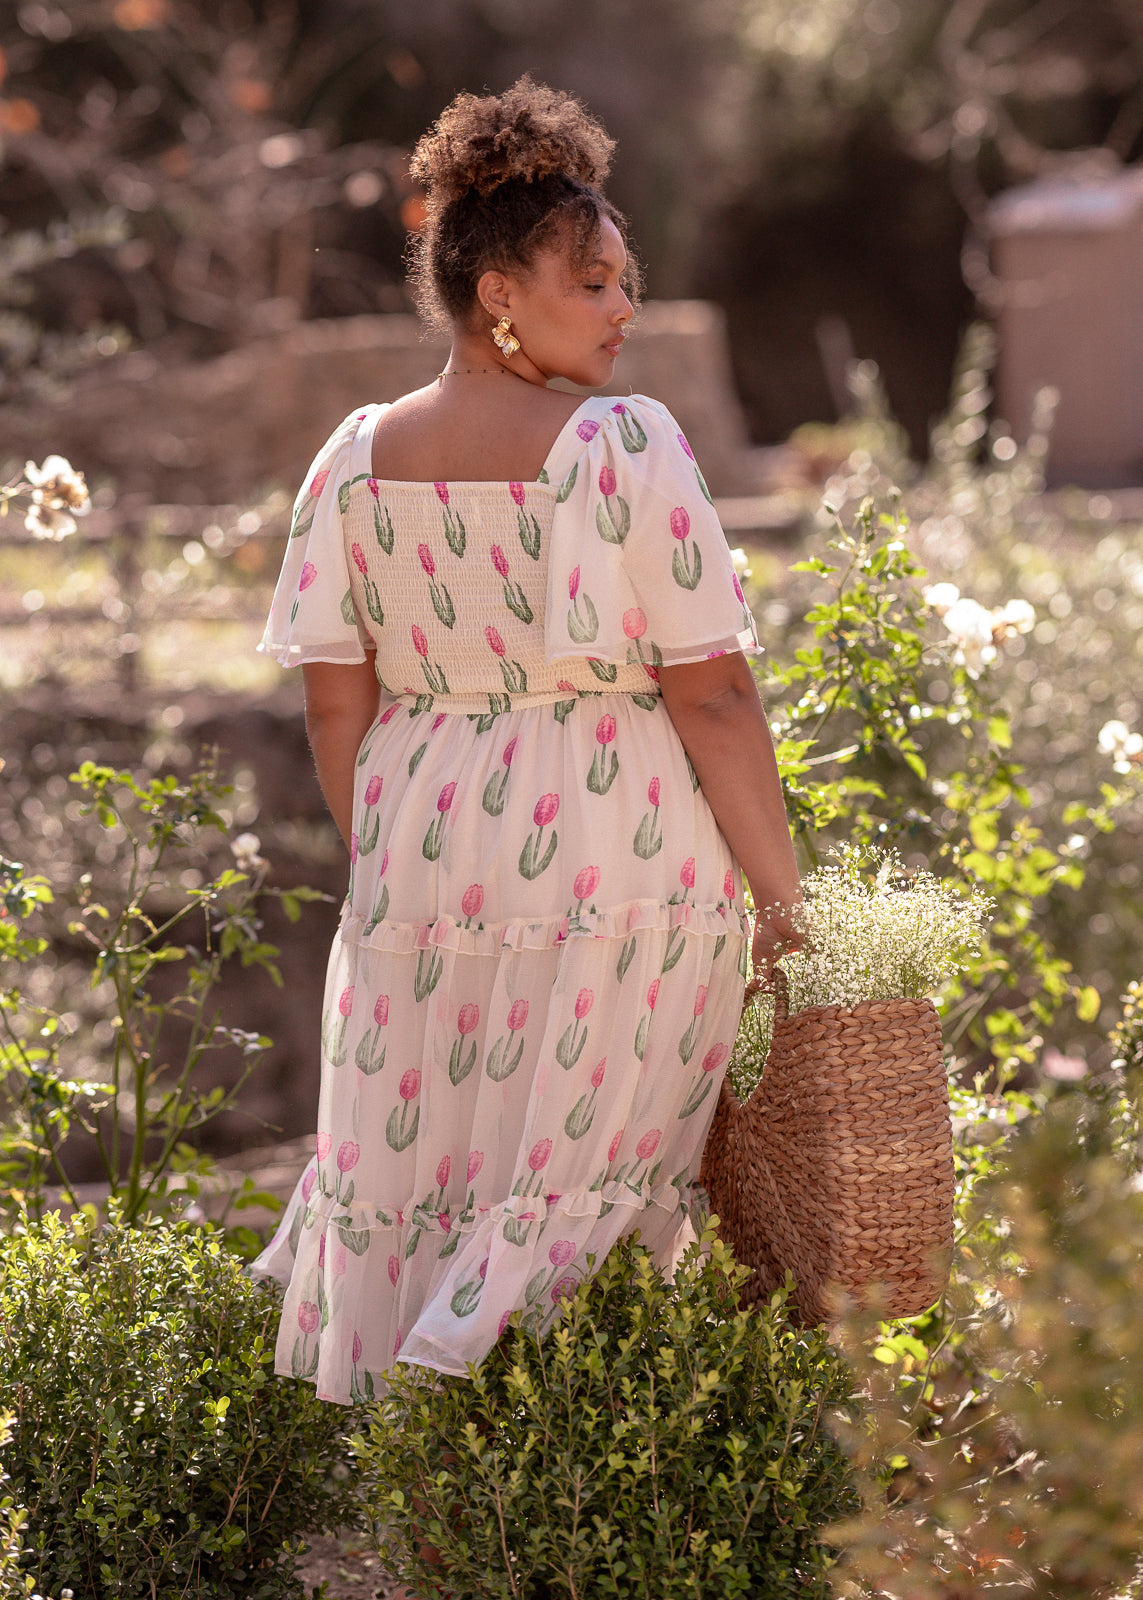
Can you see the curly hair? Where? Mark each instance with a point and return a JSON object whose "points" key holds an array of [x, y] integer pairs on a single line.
{"points": [[503, 175]]}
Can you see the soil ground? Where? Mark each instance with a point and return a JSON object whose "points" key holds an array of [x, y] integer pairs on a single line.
{"points": [[349, 1569]]}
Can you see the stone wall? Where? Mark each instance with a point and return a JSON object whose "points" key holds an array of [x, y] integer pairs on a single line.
{"points": [[222, 431]]}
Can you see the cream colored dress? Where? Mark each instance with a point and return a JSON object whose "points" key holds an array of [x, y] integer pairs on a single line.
{"points": [[535, 987]]}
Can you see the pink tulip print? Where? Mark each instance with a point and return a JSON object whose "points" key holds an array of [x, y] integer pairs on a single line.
{"points": [[569, 1046], [471, 901], [462, 1061], [605, 762], [585, 885], [527, 525], [631, 432], [335, 1027], [612, 513], [714, 1059], [401, 1128], [496, 788], [582, 1114], [686, 560], [507, 1052], [649, 834], [309, 573], [537, 854], [475, 1162], [582, 620], [370, 1053], [444, 1168], [304, 1362], [434, 838]]}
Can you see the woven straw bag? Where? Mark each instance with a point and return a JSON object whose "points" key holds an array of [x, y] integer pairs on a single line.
{"points": [[839, 1166]]}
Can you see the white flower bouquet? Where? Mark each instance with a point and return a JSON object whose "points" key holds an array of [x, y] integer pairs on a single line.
{"points": [[871, 930]]}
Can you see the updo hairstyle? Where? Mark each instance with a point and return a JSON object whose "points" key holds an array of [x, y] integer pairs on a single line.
{"points": [[503, 175]]}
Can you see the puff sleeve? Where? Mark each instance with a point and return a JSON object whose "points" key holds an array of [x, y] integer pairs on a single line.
{"points": [[312, 616], [639, 568]]}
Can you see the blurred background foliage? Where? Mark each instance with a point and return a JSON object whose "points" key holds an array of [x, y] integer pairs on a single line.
{"points": [[818, 167]]}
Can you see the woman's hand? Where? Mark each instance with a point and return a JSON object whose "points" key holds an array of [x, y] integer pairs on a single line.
{"points": [[775, 932]]}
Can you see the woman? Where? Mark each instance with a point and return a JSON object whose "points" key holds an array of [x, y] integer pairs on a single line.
{"points": [[527, 694]]}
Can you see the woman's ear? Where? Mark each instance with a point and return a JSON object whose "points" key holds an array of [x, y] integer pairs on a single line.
{"points": [[493, 292]]}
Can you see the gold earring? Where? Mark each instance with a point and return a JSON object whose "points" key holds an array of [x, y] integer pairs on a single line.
{"points": [[504, 339]]}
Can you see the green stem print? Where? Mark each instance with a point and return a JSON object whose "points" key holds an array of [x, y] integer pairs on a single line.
{"points": [[442, 602], [461, 1060], [383, 529], [535, 856], [466, 1299], [526, 526], [612, 522], [454, 532], [503, 1059], [630, 431], [517, 601], [380, 909], [604, 770], [401, 1129], [686, 564], [428, 974]]}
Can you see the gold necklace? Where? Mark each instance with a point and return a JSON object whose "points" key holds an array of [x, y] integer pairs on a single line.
{"points": [[467, 372]]}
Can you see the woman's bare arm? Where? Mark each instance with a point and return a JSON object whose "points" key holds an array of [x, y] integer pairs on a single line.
{"points": [[719, 717], [341, 703]]}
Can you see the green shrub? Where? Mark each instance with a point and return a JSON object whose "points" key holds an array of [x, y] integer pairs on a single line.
{"points": [[658, 1442], [1015, 1457], [153, 1450]]}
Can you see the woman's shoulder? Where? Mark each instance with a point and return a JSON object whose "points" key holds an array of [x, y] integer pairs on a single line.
{"points": [[625, 432]]}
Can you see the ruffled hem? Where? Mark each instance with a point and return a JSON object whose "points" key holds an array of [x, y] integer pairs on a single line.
{"points": [[356, 1224], [619, 923]]}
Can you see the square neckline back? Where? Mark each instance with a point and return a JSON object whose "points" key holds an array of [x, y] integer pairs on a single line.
{"points": [[361, 456]]}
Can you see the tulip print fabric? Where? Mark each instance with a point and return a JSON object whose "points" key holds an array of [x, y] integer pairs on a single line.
{"points": [[532, 997]]}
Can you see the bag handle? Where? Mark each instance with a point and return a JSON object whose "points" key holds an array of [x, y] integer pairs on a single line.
{"points": [[772, 983]]}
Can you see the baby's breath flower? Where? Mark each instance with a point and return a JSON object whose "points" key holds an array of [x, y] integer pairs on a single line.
{"points": [[895, 937], [741, 562], [872, 931]]}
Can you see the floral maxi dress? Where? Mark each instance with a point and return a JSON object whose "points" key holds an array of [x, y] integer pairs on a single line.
{"points": [[532, 996]]}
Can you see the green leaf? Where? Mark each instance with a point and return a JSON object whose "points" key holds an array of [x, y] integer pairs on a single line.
{"points": [[1087, 1003]]}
